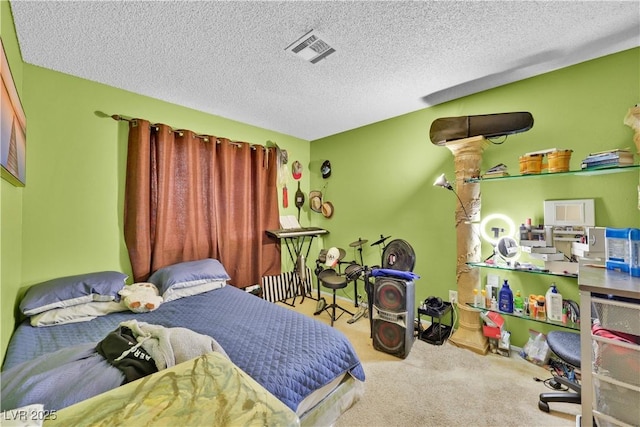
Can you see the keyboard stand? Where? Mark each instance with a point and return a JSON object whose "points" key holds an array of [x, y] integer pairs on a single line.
{"points": [[298, 242]]}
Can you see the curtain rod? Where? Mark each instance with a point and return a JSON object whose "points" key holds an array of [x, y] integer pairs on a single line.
{"points": [[118, 117]]}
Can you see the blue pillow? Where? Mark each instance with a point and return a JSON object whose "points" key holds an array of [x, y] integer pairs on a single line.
{"points": [[188, 274], [72, 290]]}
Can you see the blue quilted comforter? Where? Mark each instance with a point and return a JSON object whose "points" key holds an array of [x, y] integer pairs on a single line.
{"points": [[289, 354]]}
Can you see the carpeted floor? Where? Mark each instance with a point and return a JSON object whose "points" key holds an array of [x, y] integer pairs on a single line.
{"points": [[442, 385]]}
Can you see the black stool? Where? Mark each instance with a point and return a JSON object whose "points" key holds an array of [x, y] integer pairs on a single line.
{"points": [[565, 345], [332, 280]]}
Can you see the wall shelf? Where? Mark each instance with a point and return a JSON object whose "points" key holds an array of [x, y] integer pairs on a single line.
{"points": [[588, 172], [521, 270], [568, 325], [590, 280]]}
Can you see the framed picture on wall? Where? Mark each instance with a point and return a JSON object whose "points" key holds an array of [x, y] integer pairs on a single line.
{"points": [[13, 129]]}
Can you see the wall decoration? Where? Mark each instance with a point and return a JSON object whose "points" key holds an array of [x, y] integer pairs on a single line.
{"points": [[13, 129]]}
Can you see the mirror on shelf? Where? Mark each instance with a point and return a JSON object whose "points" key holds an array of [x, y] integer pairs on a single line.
{"points": [[508, 249]]}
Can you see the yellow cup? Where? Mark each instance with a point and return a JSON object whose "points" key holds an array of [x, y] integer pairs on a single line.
{"points": [[530, 164], [559, 160]]}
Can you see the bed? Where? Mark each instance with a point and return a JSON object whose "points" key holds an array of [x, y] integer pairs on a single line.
{"points": [[311, 368]]}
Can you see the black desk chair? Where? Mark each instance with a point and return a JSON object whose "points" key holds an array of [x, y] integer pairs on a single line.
{"points": [[334, 281], [565, 345]]}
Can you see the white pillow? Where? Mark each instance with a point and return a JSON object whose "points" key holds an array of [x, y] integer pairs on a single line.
{"points": [[76, 313], [173, 279], [72, 290], [177, 293]]}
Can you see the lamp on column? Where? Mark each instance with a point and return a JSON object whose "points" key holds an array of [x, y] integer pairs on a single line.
{"points": [[444, 183]]}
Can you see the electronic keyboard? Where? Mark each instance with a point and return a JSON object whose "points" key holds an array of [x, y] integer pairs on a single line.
{"points": [[284, 233]]}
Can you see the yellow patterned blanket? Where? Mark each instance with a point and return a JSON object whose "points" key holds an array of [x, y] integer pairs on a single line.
{"points": [[208, 390]]}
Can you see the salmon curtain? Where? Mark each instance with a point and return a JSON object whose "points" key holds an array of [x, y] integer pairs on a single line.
{"points": [[190, 197]]}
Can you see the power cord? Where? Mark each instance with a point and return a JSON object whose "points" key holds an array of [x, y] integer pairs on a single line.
{"points": [[558, 369], [455, 318], [552, 384], [496, 142]]}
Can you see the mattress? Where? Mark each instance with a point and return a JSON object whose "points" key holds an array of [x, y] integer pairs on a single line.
{"points": [[289, 354]]}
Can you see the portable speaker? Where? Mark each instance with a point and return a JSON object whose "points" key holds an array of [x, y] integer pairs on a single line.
{"points": [[392, 315]]}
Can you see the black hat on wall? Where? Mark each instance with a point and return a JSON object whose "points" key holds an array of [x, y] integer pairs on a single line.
{"points": [[326, 169]]}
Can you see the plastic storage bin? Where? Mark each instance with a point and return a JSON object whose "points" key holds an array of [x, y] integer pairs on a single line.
{"points": [[617, 249], [617, 401], [634, 252], [618, 360], [616, 315]]}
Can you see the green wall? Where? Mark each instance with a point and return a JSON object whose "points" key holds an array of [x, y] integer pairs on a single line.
{"points": [[383, 173], [67, 220], [76, 160], [11, 206]]}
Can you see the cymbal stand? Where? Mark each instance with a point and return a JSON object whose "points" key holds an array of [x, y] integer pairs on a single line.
{"points": [[357, 244], [365, 309], [383, 246]]}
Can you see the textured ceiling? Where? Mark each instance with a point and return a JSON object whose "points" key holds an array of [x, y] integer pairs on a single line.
{"points": [[392, 57]]}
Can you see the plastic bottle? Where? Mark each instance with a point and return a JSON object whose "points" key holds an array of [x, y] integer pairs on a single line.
{"points": [[518, 304], [554, 303], [483, 299], [540, 309], [505, 298], [476, 298], [489, 295], [494, 304], [533, 306]]}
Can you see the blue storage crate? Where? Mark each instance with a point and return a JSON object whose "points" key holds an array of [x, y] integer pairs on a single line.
{"points": [[617, 249], [634, 249]]}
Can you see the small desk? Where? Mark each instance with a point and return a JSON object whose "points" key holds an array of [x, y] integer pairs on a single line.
{"points": [[606, 397], [296, 239]]}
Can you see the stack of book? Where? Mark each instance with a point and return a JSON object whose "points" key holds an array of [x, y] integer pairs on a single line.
{"points": [[607, 159], [496, 171]]}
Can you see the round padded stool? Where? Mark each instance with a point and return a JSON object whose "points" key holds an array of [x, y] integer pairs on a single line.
{"points": [[332, 280], [565, 345]]}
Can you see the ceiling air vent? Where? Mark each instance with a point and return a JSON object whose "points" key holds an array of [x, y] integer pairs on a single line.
{"points": [[311, 47]]}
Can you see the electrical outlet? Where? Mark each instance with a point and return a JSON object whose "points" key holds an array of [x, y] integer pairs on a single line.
{"points": [[453, 297]]}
